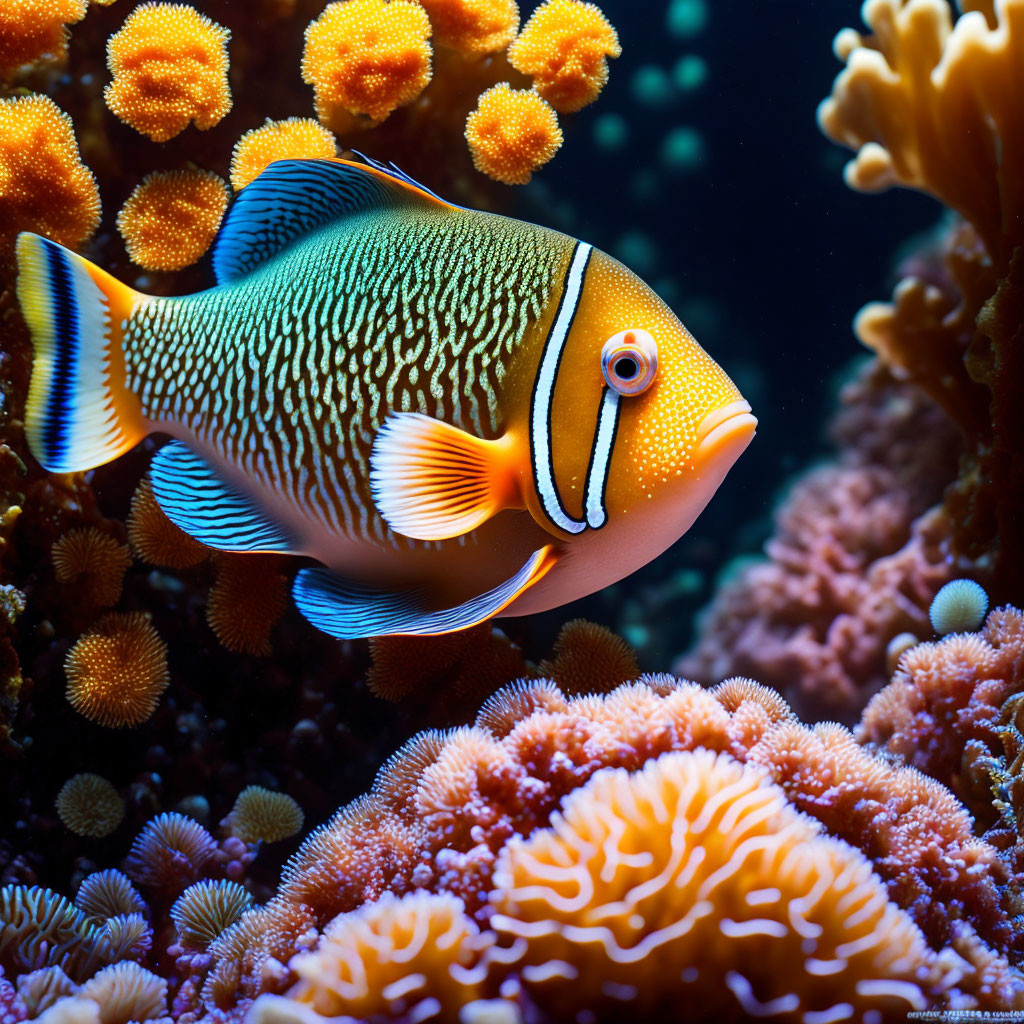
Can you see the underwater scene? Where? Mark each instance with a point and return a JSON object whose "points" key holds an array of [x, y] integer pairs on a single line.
{"points": [[511, 511]]}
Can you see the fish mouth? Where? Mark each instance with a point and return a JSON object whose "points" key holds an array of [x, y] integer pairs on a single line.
{"points": [[727, 424]]}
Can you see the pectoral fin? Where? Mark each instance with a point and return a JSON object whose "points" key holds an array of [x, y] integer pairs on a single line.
{"points": [[351, 610], [432, 481]]}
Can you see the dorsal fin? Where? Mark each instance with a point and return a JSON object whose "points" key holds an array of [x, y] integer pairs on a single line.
{"points": [[293, 197]]}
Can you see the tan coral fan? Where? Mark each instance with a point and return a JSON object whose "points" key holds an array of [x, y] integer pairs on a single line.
{"points": [[367, 57], [155, 539], [512, 133], [172, 218], [565, 47], [117, 670], [204, 910], [297, 138], [248, 596], [127, 993], [89, 805], [89, 555], [44, 186], [31, 29], [589, 658], [473, 26], [170, 69], [263, 816]]}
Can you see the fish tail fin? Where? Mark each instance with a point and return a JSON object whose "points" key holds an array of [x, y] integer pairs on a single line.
{"points": [[80, 412]]}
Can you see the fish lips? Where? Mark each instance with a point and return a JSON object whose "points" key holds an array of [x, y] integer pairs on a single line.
{"points": [[726, 430]]}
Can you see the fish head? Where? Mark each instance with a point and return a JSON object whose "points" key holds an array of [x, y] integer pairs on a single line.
{"points": [[642, 427]]}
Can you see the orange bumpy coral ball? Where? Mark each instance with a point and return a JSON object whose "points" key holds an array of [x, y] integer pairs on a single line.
{"points": [[511, 133], [564, 47], [30, 29], [91, 556], [171, 219], [367, 57], [170, 67], [473, 26], [296, 138], [117, 670], [155, 539], [44, 186]]}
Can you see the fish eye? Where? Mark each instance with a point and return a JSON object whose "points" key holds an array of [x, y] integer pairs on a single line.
{"points": [[629, 361]]}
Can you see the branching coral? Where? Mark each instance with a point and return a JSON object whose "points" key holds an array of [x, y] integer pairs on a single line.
{"points": [[89, 805], [512, 133], [170, 68], [117, 670], [172, 217], [294, 138]]}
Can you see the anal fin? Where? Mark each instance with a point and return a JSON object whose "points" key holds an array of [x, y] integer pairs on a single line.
{"points": [[351, 610], [194, 498]]}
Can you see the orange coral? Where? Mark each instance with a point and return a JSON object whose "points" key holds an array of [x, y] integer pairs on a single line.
{"points": [[89, 805], [293, 139], [117, 670], [30, 29], [565, 47], [170, 68], [473, 26], [92, 557], [172, 218], [44, 186], [367, 57], [589, 658], [248, 596], [696, 864], [511, 133], [155, 539]]}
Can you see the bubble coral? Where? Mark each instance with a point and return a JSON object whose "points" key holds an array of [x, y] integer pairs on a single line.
{"points": [[44, 186], [126, 993], [89, 806], [170, 852], [109, 893], [248, 596], [262, 816], [367, 57], [473, 26], [695, 863], [155, 539], [94, 558], [170, 68], [204, 910], [172, 218], [512, 133], [117, 670], [565, 48], [589, 658], [295, 138], [31, 29], [959, 607]]}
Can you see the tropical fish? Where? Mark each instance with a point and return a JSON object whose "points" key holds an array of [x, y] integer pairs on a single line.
{"points": [[456, 414]]}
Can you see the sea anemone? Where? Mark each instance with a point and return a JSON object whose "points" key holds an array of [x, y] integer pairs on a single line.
{"points": [[117, 670], [170, 68], [44, 186], [512, 133], [295, 138], [263, 816], [94, 558], [959, 607], [589, 658], [89, 806], [473, 26], [155, 539], [129, 935], [170, 852], [248, 596], [205, 910], [565, 47], [32, 29], [106, 894], [172, 218], [367, 57], [127, 994]]}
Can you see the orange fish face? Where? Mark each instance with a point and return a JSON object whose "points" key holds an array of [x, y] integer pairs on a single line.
{"points": [[633, 433]]}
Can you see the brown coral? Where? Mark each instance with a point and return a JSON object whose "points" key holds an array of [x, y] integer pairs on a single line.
{"points": [[117, 670], [512, 133], [92, 558], [367, 57], [262, 816], [155, 539], [31, 29], [44, 186], [170, 69], [589, 658], [565, 48], [248, 596], [89, 805], [473, 26], [172, 218], [296, 138]]}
